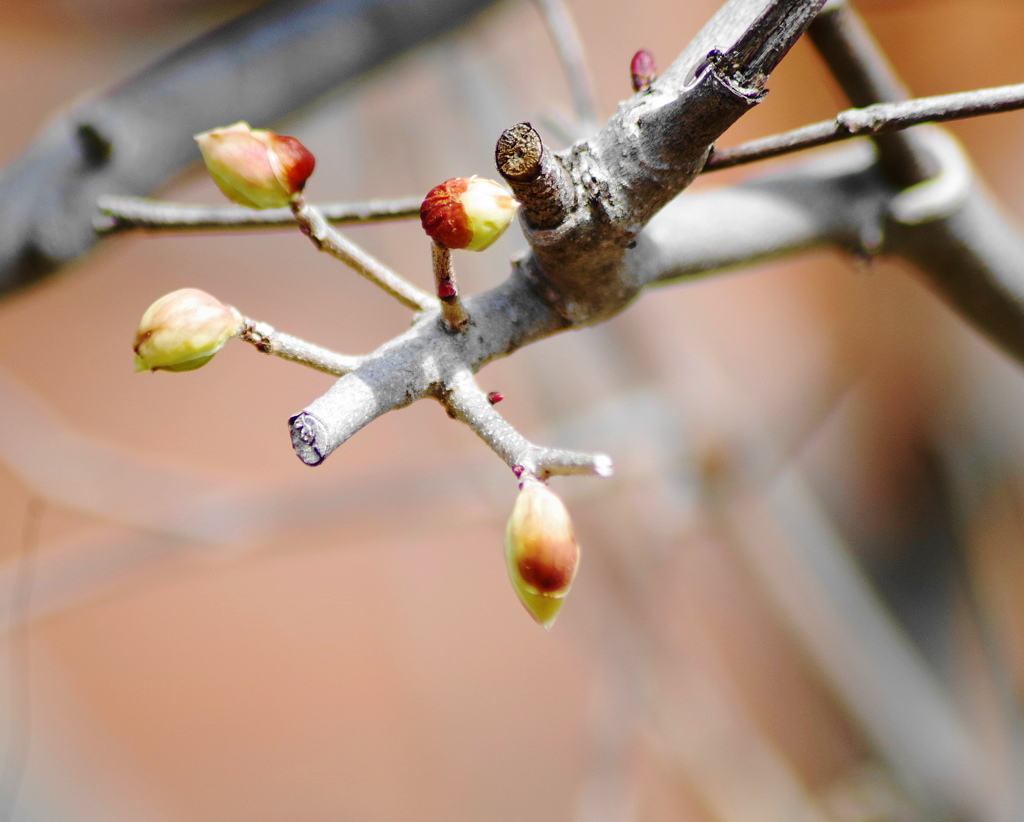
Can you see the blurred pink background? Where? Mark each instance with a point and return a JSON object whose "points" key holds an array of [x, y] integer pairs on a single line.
{"points": [[217, 632]]}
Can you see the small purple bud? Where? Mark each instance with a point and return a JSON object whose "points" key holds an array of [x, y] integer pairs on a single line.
{"points": [[494, 397], [446, 290], [643, 70]]}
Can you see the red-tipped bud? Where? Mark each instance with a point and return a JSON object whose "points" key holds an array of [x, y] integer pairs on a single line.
{"points": [[541, 551], [256, 168], [183, 330], [494, 397], [643, 70], [467, 212]]}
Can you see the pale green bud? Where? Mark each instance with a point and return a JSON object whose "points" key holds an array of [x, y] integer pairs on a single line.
{"points": [[254, 167], [183, 330], [541, 551]]}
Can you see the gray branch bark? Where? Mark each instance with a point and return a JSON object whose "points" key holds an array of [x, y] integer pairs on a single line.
{"points": [[944, 222], [583, 267], [604, 223]]}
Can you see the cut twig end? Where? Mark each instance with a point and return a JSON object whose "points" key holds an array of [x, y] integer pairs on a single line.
{"points": [[307, 434], [518, 153], [538, 179]]}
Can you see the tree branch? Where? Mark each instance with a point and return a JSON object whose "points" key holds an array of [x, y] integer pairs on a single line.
{"points": [[873, 120], [270, 341], [539, 180], [646, 154], [837, 201], [574, 65], [123, 214], [466, 402], [948, 227], [133, 137], [944, 223], [421, 363], [873, 668], [866, 77], [327, 239], [971, 254]]}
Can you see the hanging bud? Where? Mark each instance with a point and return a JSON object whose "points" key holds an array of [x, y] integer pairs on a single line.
{"points": [[467, 212], [256, 168], [540, 551], [183, 330], [643, 70]]}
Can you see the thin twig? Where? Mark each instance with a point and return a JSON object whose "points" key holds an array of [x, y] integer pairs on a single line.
{"points": [[270, 341], [882, 118], [570, 53], [466, 401], [866, 77], [327, 239], [453, 314], [119, 214]]}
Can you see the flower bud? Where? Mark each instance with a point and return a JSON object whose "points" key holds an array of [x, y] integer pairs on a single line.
{"points": [[467, 212], [256, 168], [642, 70], [183, 330], [540, 551]]}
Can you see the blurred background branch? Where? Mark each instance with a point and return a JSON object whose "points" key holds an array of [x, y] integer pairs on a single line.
{"points": [[131, 138]]}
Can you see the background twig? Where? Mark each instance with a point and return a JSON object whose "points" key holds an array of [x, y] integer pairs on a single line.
{"points": [[259, 67], [121, 214], [873, 120], [574, 65]]}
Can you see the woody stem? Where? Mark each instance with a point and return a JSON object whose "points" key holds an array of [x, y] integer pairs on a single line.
{"points": [[453, 314]]}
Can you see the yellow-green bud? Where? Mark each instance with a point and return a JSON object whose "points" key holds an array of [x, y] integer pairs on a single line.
{"points": [[541, 551], [254, 167], [467, 212], [183, 330]]}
